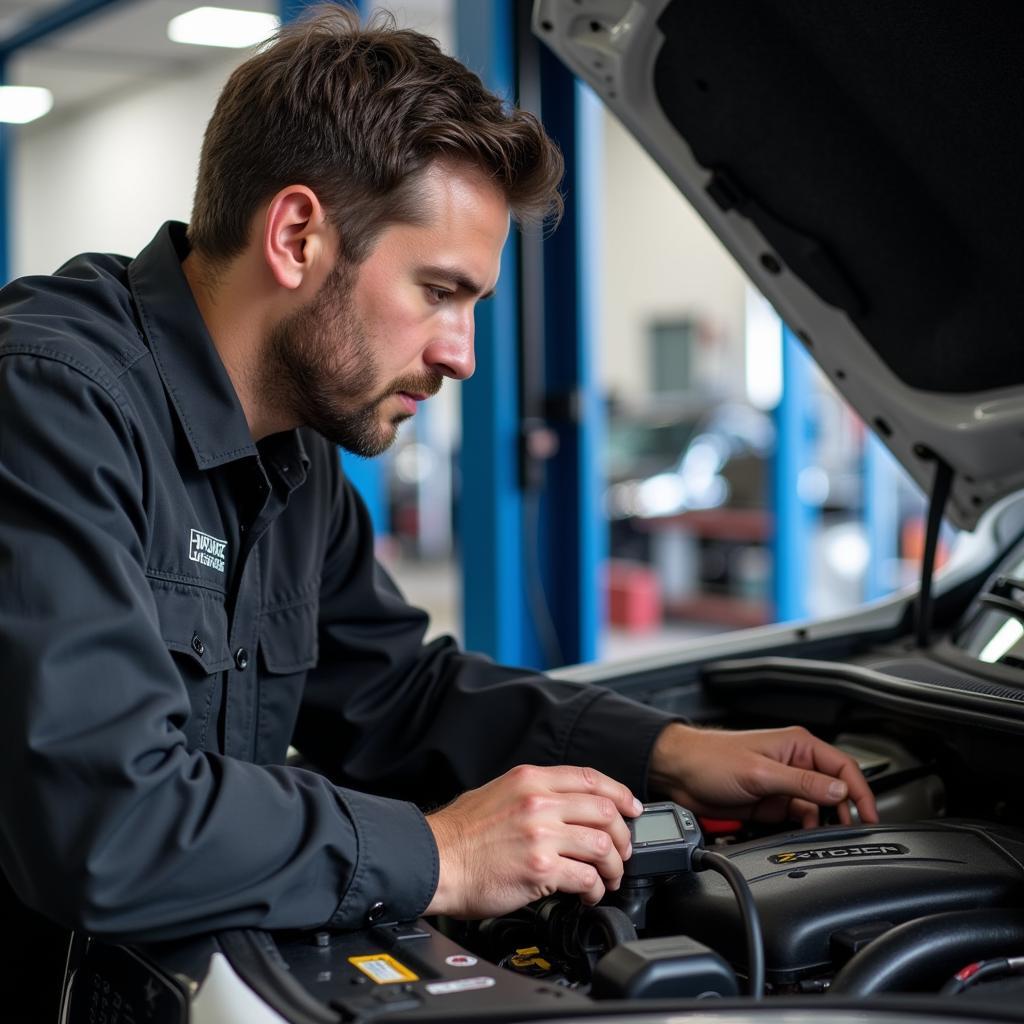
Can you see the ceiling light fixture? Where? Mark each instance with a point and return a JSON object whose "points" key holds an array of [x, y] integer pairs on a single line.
{"points": [[20, 104], [222, 26]]}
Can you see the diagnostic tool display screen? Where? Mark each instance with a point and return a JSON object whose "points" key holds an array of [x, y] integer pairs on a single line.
{"points": [[656, 828]]}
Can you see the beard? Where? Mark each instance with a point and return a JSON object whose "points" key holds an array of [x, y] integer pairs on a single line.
{"points": [[321, 369]]}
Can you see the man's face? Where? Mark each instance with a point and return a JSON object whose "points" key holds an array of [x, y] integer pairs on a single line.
{"points": [[382, 335]]}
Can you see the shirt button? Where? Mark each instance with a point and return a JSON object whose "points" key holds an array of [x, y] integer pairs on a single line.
{"points": [[376, 912], [197, 644], [242, 658]]}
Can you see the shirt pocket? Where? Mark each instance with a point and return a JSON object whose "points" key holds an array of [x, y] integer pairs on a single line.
{"points": [[288, 649], [194, 628], [288, 638]]}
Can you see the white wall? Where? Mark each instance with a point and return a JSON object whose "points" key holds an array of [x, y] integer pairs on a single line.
{"points": [[106, 178], [660, 261]]}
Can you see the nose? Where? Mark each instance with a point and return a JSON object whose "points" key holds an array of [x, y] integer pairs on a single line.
{"points": [[453, 355]]}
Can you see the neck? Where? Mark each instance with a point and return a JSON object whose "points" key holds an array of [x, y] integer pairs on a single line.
{"points": [[238, 318]]}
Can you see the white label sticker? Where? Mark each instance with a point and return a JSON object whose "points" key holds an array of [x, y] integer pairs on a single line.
{"points": [[461, 960], [446, 988]]}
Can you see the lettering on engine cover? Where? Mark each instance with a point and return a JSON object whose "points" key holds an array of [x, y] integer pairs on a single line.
{"points": [[838, 853]]}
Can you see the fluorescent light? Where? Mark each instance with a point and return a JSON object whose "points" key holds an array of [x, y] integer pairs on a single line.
{"points": [[222, 26], [20, 104], [1009, 633]]}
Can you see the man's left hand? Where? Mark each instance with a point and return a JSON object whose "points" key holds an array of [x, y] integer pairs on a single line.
{"points": [[764, 775]]}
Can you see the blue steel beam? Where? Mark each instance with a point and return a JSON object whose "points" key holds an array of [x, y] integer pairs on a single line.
{"points": [[572, 533], [53, 21], [794, 519], [490, 511]]}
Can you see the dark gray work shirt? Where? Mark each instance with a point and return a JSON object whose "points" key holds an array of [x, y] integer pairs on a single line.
{"points": [[178, 604]]}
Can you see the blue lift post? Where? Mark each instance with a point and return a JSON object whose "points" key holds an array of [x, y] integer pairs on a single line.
{"points": [[795, 520], [490, 512], [573, 534], [531, 527]]}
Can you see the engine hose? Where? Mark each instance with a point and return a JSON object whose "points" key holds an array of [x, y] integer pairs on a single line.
{"points": [[920, 955]]}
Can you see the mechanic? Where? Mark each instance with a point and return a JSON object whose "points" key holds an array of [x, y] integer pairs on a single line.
{"points": [[187, 580]]}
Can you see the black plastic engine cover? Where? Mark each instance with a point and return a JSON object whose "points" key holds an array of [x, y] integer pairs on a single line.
{"points": [[812, 885]]}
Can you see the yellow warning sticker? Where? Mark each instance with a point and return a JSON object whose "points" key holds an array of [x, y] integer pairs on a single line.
{"points": [[383, 969]]}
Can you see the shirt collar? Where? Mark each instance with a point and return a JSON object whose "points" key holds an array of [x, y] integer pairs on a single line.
{"points": [[191, 369]]}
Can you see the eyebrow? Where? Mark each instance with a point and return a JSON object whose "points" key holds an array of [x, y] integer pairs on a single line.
{"points": [[457, 277]]}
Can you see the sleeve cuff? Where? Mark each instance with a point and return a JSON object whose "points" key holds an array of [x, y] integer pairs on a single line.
{"points": [[397, 866], [616, 735]]}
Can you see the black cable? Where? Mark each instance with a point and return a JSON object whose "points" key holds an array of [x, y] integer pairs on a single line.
{"points": [[986, 969], [940, 495], [706, 860]]}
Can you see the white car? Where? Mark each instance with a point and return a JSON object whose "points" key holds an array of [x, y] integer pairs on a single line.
{"points": [[863, 162]]}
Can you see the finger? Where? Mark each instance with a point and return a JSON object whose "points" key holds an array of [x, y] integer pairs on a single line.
{"points": [[574, 779], [809, 752], [843, 810], [834, 762], [582, 879], [593, 846], [808, 814], [860, 794], [597, 812], [833, 779]]}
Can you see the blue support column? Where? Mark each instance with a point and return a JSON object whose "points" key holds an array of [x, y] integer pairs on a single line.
{"points": [[289, 10], [572, 532], [881, 518], [490, 513], [794, 518], [369, 479]]}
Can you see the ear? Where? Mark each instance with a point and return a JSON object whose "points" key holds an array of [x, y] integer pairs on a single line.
{"points": [[298, 244]]}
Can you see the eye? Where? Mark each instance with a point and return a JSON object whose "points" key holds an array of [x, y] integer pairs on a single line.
{"points": [[436, 295]]}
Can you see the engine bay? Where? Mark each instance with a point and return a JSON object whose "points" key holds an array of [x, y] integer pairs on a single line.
{"points": [[913, 907], [929, 902]]}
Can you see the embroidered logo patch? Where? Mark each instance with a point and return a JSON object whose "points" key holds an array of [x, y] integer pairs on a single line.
{"points": [[207, 550]]}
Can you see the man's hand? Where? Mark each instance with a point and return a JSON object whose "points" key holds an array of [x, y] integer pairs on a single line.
{"points": [[530, 833], [766, 775]]}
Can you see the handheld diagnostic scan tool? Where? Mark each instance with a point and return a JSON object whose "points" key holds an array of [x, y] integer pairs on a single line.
{"points": [[664, 838]]}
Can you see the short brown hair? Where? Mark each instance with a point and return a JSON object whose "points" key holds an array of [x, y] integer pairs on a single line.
{"points": [[356, 114]]}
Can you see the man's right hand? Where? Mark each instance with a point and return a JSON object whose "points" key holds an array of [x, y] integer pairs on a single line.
{"points": [[530, 833]]}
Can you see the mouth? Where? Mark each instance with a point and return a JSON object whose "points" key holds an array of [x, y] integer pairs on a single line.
{"points": [[409, 400]]}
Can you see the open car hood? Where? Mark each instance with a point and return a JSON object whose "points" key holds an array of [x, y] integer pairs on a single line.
{"points": [[863, 164]]}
